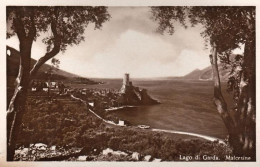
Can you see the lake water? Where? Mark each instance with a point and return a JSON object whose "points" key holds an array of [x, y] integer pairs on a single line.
{"points": [[186, 105]]}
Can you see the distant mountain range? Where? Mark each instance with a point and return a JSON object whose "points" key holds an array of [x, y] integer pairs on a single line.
{"points": [[13, 60]]}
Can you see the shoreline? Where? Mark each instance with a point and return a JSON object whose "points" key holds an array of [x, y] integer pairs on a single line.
{"points": [[209, 138]]}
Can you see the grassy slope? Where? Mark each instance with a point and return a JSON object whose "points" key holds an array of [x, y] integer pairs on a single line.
{"points": [[65, 122]]}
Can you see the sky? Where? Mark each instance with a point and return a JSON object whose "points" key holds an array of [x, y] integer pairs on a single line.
{"points": [[129, 43]]}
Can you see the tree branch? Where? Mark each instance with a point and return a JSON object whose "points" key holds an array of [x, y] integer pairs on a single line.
{"points": [[43, 59], [52, 53]]}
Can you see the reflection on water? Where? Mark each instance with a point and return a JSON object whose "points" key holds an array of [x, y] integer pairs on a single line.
{"points": [[185, 106]]}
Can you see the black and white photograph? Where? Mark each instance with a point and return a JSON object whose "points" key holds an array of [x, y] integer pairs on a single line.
{"points": [[128, 83]]}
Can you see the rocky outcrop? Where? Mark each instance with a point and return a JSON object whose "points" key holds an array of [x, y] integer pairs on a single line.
{"points": [[132, 95]]}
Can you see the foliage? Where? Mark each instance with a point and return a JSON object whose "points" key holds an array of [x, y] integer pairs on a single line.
{"points": [[166, 17], [226, 26], [66, 23]]}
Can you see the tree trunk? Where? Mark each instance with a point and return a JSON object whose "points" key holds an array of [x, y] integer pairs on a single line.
{"points": [[242, 129], [219, 100], [16, 107], [246, 114]]}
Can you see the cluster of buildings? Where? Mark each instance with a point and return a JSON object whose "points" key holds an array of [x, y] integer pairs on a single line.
{"points": [[98, 98], [39, 86]]}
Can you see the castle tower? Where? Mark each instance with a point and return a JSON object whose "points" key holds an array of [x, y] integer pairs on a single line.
{"points": [[126, 83], [126, 79]]}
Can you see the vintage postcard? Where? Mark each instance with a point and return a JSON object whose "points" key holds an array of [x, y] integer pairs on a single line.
{"points": [[129, 83]]}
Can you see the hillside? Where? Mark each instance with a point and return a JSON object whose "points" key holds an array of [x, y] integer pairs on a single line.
{"points": [[195, 74], [13, 65], [63, 125], [13, 60], [206, 74]]}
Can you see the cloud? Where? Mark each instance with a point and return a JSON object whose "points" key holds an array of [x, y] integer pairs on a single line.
{"points": [[142, 55], [129, 43], [188, 60], [134, 52]]}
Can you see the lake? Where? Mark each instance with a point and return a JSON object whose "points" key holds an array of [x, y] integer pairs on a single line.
{"points": [[186, 105]]}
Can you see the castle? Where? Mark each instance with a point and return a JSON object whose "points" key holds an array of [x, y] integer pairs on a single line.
{"points": [[132, 95], [126, 84]]}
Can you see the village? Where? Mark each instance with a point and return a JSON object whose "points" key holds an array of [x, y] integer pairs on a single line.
{"points": [[99, 99], [102, 101]]}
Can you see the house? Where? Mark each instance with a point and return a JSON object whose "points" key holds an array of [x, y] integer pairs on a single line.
{"points": [[121, 123]]}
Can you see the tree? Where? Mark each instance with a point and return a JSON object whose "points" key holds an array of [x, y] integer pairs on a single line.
{"points": [[66, 26], [226, 28]]}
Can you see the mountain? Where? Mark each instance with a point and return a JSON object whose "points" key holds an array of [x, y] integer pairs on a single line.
{"points": [[193, 75], [13, 60], [206, 73]]}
